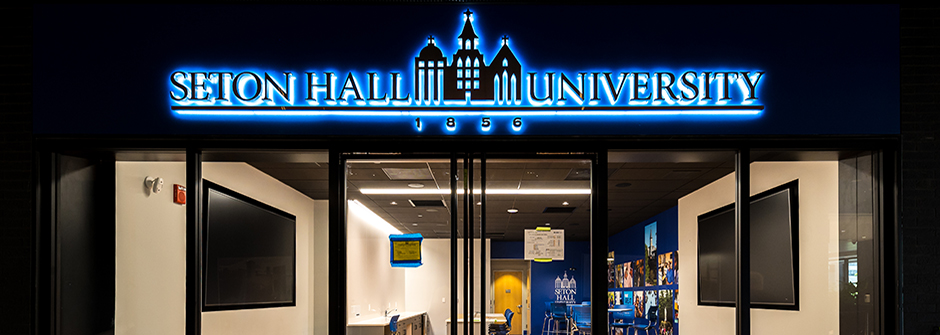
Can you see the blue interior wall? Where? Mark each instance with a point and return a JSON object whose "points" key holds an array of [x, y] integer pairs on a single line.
{"points": [[627, 245], [543, 275]]}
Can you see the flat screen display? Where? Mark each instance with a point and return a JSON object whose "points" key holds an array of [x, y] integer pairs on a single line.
{"points": [[773, 250], [249, 258]]}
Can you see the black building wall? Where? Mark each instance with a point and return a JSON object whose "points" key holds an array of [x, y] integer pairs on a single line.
{"points": [[920, 128], [920, 168], [16, 159]]}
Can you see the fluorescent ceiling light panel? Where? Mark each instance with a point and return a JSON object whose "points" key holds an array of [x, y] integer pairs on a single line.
{"points": [[534, 191], [357, 208]]}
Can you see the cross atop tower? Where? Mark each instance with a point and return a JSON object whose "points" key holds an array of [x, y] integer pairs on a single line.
{"points": [[505, 39], [467, 13], [430, 40]]}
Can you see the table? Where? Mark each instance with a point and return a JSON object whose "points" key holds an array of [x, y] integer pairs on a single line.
{"points": [[409, 323], [490, 319]]}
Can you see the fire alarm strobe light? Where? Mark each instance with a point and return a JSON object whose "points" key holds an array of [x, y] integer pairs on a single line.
{"points": [[179, 194]]}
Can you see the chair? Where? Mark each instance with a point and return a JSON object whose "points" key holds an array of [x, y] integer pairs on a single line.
{"points": [[393, 324], [649, 322], [504, 328], [559, 318], [546, 321], [581, 317], [626, 318]]}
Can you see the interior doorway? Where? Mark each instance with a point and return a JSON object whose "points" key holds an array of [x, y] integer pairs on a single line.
{"points": [[511, 290]]}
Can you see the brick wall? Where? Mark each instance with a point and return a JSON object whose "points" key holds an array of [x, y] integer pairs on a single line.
{"points": [[920, 127], [16, 124]]}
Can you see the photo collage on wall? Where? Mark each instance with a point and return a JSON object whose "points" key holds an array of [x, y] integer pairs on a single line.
{"points": [[645, 278]]}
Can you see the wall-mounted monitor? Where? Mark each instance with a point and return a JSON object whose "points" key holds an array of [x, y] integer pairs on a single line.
{"points": [[774, 251], [249, 258]]}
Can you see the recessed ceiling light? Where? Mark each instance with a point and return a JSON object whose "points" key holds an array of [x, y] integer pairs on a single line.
{"points": [[623, 185], [548, 224], [393, 203], [414, 224], [500, 191], [564, 203], [512, 210], [415, 185], [431, 210], [479, 203], [420, 216]]}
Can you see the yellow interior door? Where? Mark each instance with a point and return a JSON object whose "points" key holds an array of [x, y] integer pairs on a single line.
{"points": [[508, 295]]}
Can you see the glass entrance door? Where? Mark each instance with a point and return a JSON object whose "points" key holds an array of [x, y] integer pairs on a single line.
{"points": [[458, 243]]}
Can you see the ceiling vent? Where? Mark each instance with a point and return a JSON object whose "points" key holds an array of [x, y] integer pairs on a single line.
{"points": [[427, 203], [559, 210], [408, 174]]}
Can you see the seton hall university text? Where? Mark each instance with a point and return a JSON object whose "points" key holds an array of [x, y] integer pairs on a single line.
{"points": [[465, 79]]}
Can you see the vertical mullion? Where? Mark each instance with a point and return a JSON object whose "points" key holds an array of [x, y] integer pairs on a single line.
{"points": [[44, 314], [742, 217], [467, 315], [599, 242], [337, 244], [483, 302], [468, 217], [194, 243], [453, 243]]}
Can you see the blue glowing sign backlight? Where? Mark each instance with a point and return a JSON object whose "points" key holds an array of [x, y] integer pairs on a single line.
{"points": [[467, 92]]}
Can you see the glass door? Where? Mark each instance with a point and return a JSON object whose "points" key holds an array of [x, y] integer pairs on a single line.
{"points": [[455, 243]]}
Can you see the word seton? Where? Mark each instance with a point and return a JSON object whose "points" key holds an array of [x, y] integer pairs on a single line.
{"points": [[249, 88]]}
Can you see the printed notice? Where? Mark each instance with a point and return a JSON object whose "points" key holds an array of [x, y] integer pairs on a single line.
{"points": [[407, 250], [545, 244]]}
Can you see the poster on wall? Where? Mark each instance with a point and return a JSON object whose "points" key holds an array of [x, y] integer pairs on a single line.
{"points": [[639, 302], [666, 274], [649, 241], [675, 308], [619, 272], [639, 279], [627, 298], [666, 305], [610, 270], [545, 244], [627, 275], [652, 299]]}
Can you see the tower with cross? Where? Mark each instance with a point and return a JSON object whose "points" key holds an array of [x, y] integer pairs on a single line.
{"points": [[429, 73]]}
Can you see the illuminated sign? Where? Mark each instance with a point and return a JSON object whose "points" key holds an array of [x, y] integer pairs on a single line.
{"points": [[466, 89]]}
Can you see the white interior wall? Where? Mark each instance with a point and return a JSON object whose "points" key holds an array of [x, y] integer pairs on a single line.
{"points": [[245, 179], [372, 285], [150, 252], [818, 233], [320, 254], [427, 288]]}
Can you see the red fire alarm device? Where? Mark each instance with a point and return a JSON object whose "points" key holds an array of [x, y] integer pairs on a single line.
{"points": [[179, 194]]}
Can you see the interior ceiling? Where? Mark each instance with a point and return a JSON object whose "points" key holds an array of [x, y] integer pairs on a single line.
{"points": [[640, 185]]}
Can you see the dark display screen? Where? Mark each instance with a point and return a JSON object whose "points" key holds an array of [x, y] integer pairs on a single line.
{"points": [[249, 252], [773, 251]]}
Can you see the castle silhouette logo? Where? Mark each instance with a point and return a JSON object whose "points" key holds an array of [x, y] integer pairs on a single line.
{"points": [[464, 84], [566, 289]]}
